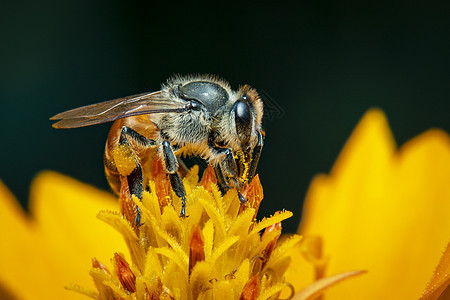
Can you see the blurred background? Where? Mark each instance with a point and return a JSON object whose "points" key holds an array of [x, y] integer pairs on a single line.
{"points": [[321, 65]]}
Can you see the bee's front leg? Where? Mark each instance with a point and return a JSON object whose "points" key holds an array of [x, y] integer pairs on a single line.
{"points": [[256, 154], [170, 163], [227, 170]]}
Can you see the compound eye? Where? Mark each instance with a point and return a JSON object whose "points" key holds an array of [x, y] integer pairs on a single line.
{"points": [[242, 119]]}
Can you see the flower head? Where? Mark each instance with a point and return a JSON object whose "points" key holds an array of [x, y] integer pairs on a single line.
{"points": [[216, 252]]}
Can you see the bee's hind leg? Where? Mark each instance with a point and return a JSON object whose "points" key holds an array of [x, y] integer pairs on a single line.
{"points": [[135, 178], [170, 163]]}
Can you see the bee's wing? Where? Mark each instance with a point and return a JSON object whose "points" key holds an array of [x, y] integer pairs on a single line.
{"points": [[146, 103]]}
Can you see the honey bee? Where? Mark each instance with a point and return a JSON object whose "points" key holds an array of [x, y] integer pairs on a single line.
{"points": [[191, 115]]}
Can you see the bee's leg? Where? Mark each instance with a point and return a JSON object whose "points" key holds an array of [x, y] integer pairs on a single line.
{"points": [[221, 179], [136, 186], [227, 169], [222, 182], [255, 155], [171, 166], [228, 164], [136, 177]]}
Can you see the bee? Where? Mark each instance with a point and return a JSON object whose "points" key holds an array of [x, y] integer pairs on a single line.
{"points": [[191, 116]]}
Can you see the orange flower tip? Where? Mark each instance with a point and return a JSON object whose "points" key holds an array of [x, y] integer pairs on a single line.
{"points": [[253, 192], [208, 178], [271, 245], [98, 265], [251, 289], [124, 273], [272, 228], [156, 291], [196, 247], [316, 288]]}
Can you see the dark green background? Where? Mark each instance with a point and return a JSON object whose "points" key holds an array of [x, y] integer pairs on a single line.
{"points": [[324, 62]]}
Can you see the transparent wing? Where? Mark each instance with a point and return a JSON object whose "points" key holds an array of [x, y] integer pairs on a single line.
{"points": [[141, 104]]}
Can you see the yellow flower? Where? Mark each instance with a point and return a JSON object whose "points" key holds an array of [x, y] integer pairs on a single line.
{"points": [[380, 209], [221, 251], [214, 253]]}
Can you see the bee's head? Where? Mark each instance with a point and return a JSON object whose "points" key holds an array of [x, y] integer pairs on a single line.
{"points": [[246, 115]]}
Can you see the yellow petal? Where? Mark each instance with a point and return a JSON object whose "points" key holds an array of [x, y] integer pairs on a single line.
{"points": [[40, 256], [383, 210], [68, 230], [20, 252]]}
